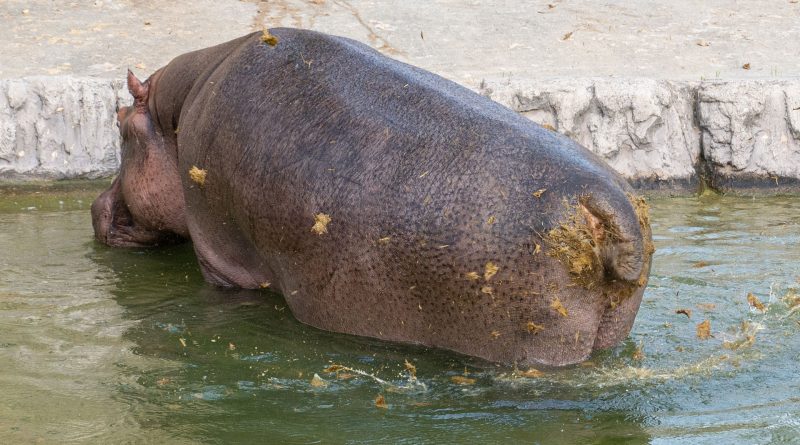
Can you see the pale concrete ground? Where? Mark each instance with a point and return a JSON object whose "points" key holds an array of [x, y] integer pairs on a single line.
{"points": [[472, 40], [657, 88], [105, 37], [466, 40]]}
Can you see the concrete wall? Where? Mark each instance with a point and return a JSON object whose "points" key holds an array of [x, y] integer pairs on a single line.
{"points": [[671, 134], [657, 133]]}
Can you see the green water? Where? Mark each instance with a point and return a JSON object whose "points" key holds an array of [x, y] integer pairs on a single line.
{"points": [[130, 346]]}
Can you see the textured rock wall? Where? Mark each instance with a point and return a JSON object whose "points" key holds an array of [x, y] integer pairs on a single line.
{"points": [[750, 132], [664, 134], [58, 127], [656, 133]]}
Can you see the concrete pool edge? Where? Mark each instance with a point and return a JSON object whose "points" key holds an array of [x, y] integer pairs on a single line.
{"points": [[663, 136]]}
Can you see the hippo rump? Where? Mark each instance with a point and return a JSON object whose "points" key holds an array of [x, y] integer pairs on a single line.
{"points": [[380, 199]]}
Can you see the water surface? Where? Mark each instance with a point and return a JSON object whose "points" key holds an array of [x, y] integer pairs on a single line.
{"points": [[102, 345]]}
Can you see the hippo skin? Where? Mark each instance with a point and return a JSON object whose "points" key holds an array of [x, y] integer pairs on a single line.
{"points": [[380, 199]]}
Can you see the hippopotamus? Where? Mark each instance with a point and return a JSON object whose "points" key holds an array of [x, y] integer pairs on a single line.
{"points": [[379, 199]]}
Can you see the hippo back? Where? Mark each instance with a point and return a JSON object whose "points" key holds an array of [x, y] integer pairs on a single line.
{"points": [[437, 200]]}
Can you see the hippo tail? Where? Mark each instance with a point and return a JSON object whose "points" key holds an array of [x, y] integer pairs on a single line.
{"points": [[621, 233]]}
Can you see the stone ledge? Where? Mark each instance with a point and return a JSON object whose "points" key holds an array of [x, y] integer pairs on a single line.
{"points": [[659, 134]]}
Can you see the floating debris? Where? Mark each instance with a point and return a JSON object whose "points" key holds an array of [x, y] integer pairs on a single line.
{"points": [[335, 368], [183, 342], [638, 353], [540, 192], [558, 307], [702, 42], [472, 276], [708, 307], [792, 299], [198, 175], [495, 334], [537, 248], [321, 221], [487, 290], [317, 381], [264, 285], [700, 264], [532, 373], [748, 331], [231, 346], [268, 38], [567, 36], [686, 312], [339, 368], [746, 66], [385, 240], [412, 370], [704, 330], [534, 328], [490, 270], [548, 127], [462, 380], [755, 302], [491, 220], [380, 402]]}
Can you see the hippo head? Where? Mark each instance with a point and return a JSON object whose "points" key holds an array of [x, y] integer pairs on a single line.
{"points": [[144, 205]]}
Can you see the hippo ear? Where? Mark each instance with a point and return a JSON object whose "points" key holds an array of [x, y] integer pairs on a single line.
{"points": [[138, 90]]}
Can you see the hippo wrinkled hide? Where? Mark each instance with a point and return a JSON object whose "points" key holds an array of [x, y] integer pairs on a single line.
{"points": [[380, 199]]}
